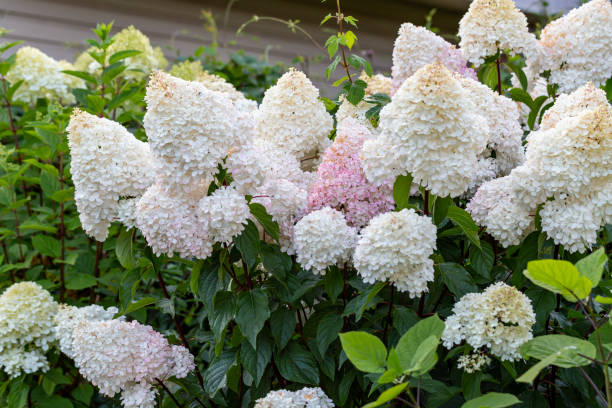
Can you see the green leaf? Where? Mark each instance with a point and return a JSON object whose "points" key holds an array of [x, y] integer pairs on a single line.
{"points": [[216, 374], [565, 348], [492, 400], [410, 357], [133, 306], [518, 71], [327, 331], [592, 266], [534, 371], [535, 108], [356, 92], [519, 95], [332, 67], [482, 259], [224, 309], [112, 71], [248, 244], [464, 221], [297, 365], [124, 248], [47, 245], [120, 55], [83, 75], [332, 44], [350, 38], [49, 184], [457, 279], [78, 281], [327, 17], [387, 395], [256, 360], [53, 401], [83, 393], [253, 311], [194, 280], [265, 219], [440, 209], [559, 277], [282, 323], [63, 196], [365, 351], [166, 306], [401, 191]]}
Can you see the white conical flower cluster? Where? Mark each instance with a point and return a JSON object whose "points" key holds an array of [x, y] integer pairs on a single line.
{"points": [[26, 328], [416, 47], [322, 238], [190, 129], [42, 77], [504, 145], [108, 163], [304, 398], [396, 246], [490, 25], [68, 317], [567, 169], [292, 117], [576, 47], [430, 129], [120, 357], [499, 319]]}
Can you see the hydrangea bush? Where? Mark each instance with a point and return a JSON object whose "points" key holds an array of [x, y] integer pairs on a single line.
{"points": [[219, 234]]}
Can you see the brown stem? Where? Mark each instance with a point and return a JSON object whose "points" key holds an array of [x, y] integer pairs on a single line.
{"points": [[556, 252], [389, 320], [421, 305], [18, 234], [426, 202], [96, 271], [160, 382], [249, 282], [499, 84], [178, 327], [590, 381], [340, 17], [8, 261]]}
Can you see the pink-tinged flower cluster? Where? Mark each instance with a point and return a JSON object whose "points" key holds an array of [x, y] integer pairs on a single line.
{"points": [[341, 182]]}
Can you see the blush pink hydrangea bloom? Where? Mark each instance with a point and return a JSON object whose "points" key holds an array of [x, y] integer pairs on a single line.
{"points": [[341, 182]]}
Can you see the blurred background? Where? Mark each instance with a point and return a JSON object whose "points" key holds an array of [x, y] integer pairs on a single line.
{"points": [[58, 27]]}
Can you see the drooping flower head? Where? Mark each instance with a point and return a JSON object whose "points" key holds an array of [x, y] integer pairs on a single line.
{"points": [[432, 130], [42, 77], [341, 183], [190, 130], [322, 238], [416, 47], [26, 328], [498, 319], [491, 25], [504, 145], [396, 246], [108, 163], [172, 222], [292, 118], [117, 356], [576, 47]]}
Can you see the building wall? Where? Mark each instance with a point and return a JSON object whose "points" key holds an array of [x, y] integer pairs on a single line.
{"points": [[59, 27]]}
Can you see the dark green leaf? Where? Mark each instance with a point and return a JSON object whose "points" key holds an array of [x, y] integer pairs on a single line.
{"points": [[297, 365], [457, 279], [253, 311], [401, 191], [248, 244], [265, 219], [464, 220], [327, 331], [282, 322]]}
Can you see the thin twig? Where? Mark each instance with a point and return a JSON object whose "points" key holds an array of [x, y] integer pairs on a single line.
{"points": [[160, 382], [597, 390], [389, 320], [340, 17]]}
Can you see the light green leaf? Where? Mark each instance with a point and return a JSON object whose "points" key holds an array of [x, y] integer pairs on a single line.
{"points": [[592, 266], [387, 395], [492, 400], [365, 351], [559, 277], [408, 345], [401, 191], [124, 248]]}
